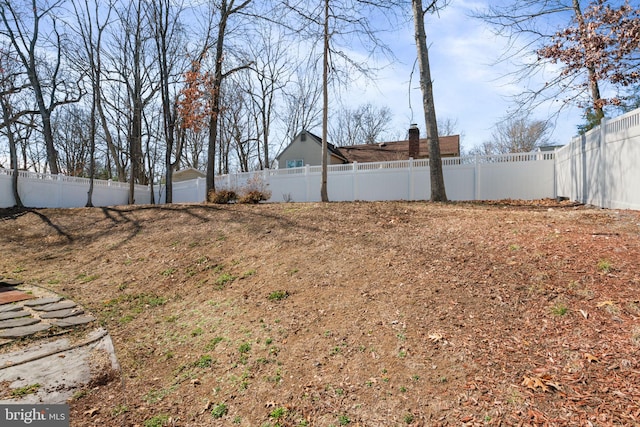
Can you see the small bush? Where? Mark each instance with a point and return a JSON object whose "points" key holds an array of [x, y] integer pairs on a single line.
{"points": [[255, 190], [222, 197], [254, 197]]}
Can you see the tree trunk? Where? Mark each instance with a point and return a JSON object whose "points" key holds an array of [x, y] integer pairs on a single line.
{"points": [[593, 81], [325, 104], [13, 154], [438, 193]]}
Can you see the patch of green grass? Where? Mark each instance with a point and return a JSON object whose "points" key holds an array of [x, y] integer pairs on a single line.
{"points": [[87, 278], [219, 410], [197, 331], [211, 345], [157, 421], [168, 272], [204, 361], [514, 247], [559, 309], [278, 413], [155, 396], [248, 273], [127, 319], [224, 278], [409, 418], [119, 410], [343, 420], [23, 391], [244, 348], [278, 295], [604, 266]]}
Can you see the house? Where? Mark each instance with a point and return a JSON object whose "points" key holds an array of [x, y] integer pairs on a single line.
{"points": [[309, 151], [187, 174], [306, 149]]}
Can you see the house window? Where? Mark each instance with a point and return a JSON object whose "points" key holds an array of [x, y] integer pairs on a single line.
{"points": [[298, 163]]}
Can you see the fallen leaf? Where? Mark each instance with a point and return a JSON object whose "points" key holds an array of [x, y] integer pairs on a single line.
{"points": [[91, 412], [591, 358], [543, 383], [584, 314], [436, 337], [604, 303]]}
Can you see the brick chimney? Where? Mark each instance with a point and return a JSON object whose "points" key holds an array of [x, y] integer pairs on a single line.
{"points": [[414, 141]]}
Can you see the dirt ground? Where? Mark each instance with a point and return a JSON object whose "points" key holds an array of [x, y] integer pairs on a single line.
{"points": [[360, 314]]}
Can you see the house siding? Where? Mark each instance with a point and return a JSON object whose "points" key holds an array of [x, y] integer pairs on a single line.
{"points": [[309, 151]]}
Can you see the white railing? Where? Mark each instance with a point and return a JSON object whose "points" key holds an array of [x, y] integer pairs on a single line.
{"points": [[515, 176], [602, 167], [44, 190]]}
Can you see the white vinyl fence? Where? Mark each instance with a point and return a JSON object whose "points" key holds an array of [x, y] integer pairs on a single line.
{"points": [[602, 167], [516, 176], [41, 190]]}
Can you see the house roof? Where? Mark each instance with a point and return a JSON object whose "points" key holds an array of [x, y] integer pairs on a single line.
{"points": [[333, 150], [398, 150]]}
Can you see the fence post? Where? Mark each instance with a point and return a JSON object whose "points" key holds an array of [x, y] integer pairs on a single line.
{"points": [[355, 181], [60, 185], [306, 181], [604, 202], [411, 183], [476, 177]]}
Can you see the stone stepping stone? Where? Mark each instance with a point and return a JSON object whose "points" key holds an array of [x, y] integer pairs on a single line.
{"points": [[9, 307], [10, 282], [42, 301], [14, 315], [56, 306], [23, 331], [72, 321], [14, 295], [61, 314], [14, 323]]}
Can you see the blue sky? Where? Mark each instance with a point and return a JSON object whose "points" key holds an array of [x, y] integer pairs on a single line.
{"points": [[468, 85]]}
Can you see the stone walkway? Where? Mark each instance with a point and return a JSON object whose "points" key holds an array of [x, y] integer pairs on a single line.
{"points": [[32, 321], [22, 314]]}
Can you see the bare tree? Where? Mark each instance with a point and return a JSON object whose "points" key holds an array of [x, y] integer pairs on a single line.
{"points": [[271, 73], [365, 124], [336, 22], [227, 9], [90, 28], [302, 97], [12, 82], [136, 86], [438, 192], [517, 134], [24, 30], [529, 26], [167, 34]]}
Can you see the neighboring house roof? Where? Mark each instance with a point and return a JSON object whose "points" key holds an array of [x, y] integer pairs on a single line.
{"points": [[549, 147], [398, 150], [333, 150], [187, 174]]}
